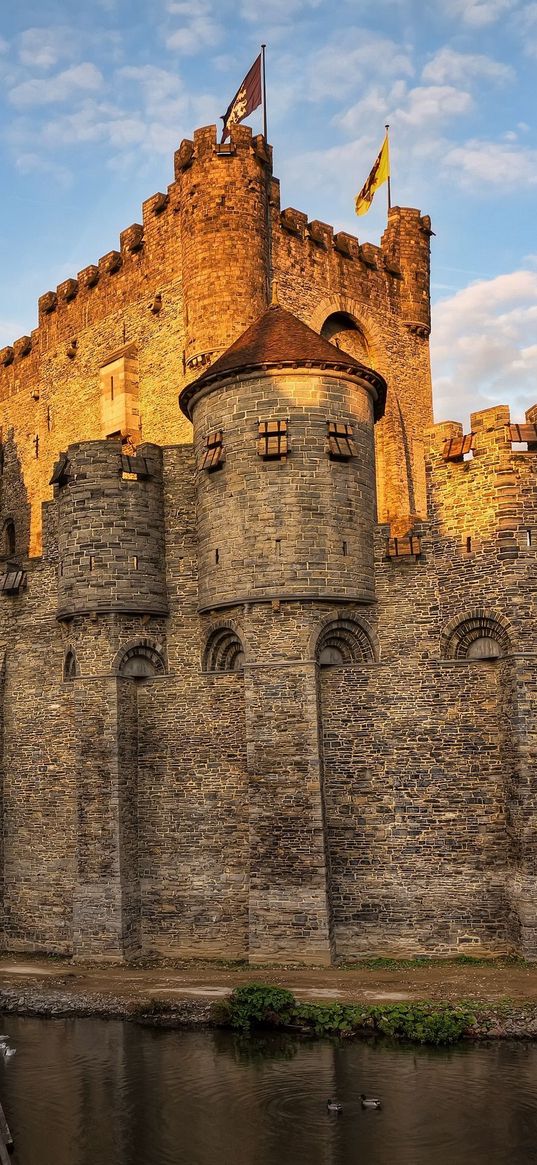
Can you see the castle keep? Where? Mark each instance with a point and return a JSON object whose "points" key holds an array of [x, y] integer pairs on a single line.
{"points": [[268, 686]]}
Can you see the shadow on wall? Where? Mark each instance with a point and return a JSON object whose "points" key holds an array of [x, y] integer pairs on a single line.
{"points": [[15, 507]]}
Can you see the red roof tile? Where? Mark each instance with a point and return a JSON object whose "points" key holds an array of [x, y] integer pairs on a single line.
{"points": [[279, 339]]}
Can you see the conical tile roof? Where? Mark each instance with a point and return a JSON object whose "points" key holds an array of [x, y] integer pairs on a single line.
{"points": [[278, 340]]}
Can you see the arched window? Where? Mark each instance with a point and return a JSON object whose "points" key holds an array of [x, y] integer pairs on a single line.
{"points": [[477, 636], [343, 641], [141, 661], [9, 538], [70, 666], [223, 651], [343, 331]]}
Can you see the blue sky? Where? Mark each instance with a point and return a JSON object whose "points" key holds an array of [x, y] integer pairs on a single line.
{"points": [[96, 97]]}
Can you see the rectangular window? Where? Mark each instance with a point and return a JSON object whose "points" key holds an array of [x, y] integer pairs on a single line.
{"points": [[12, 582], [524, 435], [213, 456], [341, 446], [409, 547], [272, 443], [133, 467], [457, 448], [59, 475], [120, 407]]}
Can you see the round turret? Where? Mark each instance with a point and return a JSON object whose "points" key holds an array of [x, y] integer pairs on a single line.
{"points": [[283, 432], [110, 530], [224, 238]]}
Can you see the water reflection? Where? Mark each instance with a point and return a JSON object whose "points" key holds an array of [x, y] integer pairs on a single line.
{"points": [[86, 1091]]}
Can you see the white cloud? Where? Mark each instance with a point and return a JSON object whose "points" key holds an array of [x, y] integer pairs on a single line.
{"points": [[42, 48], [199, 29], [448, 67], [484, 346], [281, 11], [341, 66], [478, 13], [527, 24], [48, 90], [158, 85], [494, 163], [3, 45], [430, 104], [34, 163], [94, 122]]}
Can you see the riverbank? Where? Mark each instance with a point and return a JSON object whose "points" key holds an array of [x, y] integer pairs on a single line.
{"points": [[501, 994]]}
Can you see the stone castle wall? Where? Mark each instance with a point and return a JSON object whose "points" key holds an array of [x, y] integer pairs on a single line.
{"points": [[183, 285], [162, 814], [300, 752]]}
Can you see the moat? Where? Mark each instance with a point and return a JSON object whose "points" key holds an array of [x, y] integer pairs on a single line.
{"points": [[80, 1091]]}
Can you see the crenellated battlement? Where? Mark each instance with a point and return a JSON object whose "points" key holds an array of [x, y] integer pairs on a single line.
{"points": [[67, 303], [482, 483], [184, 282], [491, 429]]}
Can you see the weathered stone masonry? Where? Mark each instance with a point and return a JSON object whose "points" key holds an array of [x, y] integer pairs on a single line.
{"points": [[268, 684]]}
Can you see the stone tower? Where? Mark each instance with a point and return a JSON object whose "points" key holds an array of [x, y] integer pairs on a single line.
{"points": [[223, 204], [283, 437]]}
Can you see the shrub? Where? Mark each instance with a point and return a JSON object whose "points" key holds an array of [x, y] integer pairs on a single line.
{"points": [[423, 1023], [258, 1005]]}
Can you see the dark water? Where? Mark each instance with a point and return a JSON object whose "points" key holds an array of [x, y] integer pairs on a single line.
{"points": [[88, 1092]]}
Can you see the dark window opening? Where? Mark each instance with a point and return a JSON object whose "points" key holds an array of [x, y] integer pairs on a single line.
{"points": [[10, 538], [70, 670], [341, 446], [213, 452], [272, 443]]}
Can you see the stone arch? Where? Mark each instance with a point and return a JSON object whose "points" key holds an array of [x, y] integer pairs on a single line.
{"points": [[224, 649], [342, 330], [344, 640], [70, 665], [478, 634], [140, 660], [358, 316]]}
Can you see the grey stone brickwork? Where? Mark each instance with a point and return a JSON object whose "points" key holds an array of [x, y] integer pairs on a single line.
{"points": [[320, 742]]}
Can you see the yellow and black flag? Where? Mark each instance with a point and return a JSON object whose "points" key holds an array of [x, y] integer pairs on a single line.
{"points": [[379, 174], [246, 99]]}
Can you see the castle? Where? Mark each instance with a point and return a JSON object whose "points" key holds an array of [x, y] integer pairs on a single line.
{"points": [[268, 686]]}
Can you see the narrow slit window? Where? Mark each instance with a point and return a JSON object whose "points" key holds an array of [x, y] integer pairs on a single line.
{"points": [[217, 557], [529, 538], [272, 440], [213, 452], [469, 544], [341, 446], [91, 561], [111, 388], [344, 549]]}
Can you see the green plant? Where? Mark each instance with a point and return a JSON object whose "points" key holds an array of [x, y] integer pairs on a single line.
{"points": [[423, 1023], [257, 1004], [328, 1019]]}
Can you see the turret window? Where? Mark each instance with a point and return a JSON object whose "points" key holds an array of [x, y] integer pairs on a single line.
{"points": [[341, 446], [213, 452], [224, 651], [272, 443], [70, 667]]}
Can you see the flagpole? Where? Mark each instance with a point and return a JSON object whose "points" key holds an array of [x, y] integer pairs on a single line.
{"points": [[263, 47], [387, 128]]}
